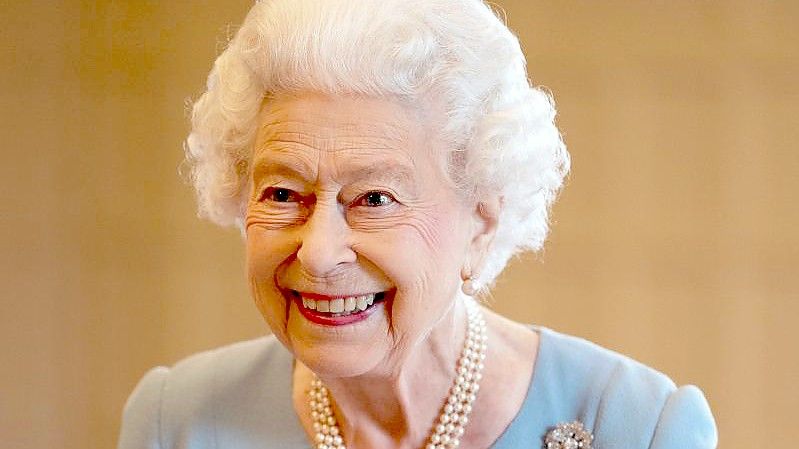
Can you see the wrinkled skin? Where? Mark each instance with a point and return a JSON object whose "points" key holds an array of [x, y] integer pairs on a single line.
{"points": [[351, 196], [325, 235]]}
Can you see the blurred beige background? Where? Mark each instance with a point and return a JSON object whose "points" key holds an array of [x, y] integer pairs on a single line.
{"points": [[675, 240]]}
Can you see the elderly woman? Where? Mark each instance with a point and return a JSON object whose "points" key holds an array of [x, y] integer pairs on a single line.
{"points": [[384, 159]]}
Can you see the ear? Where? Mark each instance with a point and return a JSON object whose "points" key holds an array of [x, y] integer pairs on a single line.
{"points": [[485, 219]]}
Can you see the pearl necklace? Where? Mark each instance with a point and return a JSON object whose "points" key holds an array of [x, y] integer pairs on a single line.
{"points": [[455, 412]]}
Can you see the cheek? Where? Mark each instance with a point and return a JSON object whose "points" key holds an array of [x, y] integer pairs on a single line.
{"points": [[421, 254], [423, 261], [266, 251]]}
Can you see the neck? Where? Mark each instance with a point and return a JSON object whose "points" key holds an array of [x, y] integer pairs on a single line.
{"points": [[398, 405]]}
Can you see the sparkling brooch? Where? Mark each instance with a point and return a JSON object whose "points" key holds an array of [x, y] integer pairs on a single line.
{"points": [[568, 436]]}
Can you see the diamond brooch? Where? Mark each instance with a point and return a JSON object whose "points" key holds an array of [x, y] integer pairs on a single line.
{"points": [[568, 436]]}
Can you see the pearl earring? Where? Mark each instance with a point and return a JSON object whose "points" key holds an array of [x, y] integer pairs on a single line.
{"points": [[470, 286]]}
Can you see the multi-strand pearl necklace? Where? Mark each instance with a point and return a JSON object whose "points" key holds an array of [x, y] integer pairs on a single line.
{"points": [[454, 416]]}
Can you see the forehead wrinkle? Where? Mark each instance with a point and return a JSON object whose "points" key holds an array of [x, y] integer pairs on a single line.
{"points": [[336, 142], [392, 127], [379, 131], [319, 130], [331, 144], [306, 127]]}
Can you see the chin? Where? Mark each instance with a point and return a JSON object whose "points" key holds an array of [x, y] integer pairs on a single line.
{"points": [[350, 363], [335, 340]]}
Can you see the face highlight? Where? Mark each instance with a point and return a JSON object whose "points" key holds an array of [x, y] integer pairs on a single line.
{"points": [[355, 234]]}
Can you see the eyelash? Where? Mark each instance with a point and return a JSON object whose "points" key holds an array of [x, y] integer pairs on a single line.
{"points": [[270, 194], [361, 201]]}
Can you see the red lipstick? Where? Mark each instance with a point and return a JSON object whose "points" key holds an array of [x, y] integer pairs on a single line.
{"points": [[335, 319]]}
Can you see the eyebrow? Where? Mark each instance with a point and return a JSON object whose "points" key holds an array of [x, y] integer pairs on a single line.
{"points": [[394, 172], [284, 167], [400, 173]]}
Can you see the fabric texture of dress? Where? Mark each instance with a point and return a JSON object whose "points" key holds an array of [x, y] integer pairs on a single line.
{"points": [[239, 397]]}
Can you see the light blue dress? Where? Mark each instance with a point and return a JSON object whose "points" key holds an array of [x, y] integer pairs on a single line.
{"points": [[239, 397]]}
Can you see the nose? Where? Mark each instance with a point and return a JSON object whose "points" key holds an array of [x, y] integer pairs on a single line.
{"points": [[324, 241]]}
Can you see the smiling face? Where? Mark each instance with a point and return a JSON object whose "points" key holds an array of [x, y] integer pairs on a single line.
{"points": [[350, 204]]}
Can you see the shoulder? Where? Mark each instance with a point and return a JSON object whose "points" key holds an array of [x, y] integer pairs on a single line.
{"points": [[227, 394], [623, 402]]}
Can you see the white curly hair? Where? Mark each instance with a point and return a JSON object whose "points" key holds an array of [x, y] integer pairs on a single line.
{"points": [[458, 52]]}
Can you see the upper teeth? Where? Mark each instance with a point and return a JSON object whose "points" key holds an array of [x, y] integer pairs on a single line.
{"points": [[339, 305]]}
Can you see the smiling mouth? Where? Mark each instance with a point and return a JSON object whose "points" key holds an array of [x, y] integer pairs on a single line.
{"points": [[337, 310]]}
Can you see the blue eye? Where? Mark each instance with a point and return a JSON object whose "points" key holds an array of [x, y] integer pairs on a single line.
{"points": [[375, 199], [279, 195]]}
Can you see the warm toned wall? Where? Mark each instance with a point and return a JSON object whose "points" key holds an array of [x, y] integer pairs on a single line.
{"points": [[674, 242]]}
